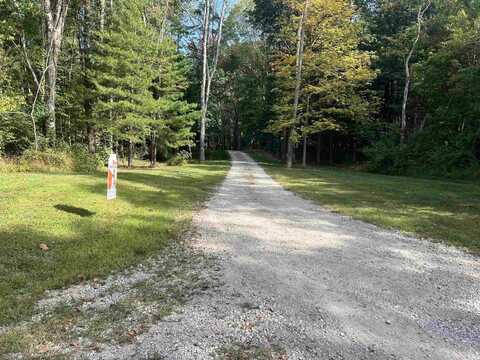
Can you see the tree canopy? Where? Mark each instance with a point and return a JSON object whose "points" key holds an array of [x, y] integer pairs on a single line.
{"points": [[393, 84]]}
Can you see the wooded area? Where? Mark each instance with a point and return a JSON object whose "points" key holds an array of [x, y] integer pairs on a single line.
{"points": [[392, 84]]}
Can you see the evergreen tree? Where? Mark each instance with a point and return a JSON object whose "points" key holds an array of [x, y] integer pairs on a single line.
{"points": [[140, 81]]}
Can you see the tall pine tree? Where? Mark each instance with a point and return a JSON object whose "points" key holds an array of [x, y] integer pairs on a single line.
{"points": [[140, 80]]}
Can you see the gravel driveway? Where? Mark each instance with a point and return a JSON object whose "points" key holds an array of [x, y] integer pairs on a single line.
{"points": [[303, 283]]}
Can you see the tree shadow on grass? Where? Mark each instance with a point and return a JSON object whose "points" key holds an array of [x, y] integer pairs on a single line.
{"points": [[151, 211], [74, 210], [90, 249]]}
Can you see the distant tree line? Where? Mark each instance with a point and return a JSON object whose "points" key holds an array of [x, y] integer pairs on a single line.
{"points": [[393, 84], [106, 74]]}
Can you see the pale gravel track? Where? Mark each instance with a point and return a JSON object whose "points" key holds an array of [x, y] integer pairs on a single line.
{"points": [[317, 284]]}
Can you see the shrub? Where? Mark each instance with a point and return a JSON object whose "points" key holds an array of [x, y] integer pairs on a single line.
{"points": [[217, 155], [48, 160], [425, 155], [83, 161], [382, 156], [176, 160], [11, 165], [179, 159], [74, 159]]}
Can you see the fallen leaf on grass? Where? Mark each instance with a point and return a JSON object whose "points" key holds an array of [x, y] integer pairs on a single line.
{"points": [[43, 348], [43, 247]]}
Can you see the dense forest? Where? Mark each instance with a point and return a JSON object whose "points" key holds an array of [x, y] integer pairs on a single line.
{"points": [[390, 85]]}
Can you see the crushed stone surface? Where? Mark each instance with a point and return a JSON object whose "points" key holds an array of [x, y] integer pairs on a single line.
{"points": [[317, 285], [296, 281]]}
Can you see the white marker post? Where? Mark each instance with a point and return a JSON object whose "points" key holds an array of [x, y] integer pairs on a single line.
{"points": [[112, 177]]}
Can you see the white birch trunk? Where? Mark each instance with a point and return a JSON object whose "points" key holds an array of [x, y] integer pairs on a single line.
{"points": [[55, 23], [207, 73], [298, 81], [403, 120]]}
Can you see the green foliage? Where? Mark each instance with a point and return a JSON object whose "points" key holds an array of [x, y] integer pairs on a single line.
{"points": [[140, 81], [125, 71], [48, 160], [423, 156], [383, 155], [12, 165], [180, 158], [336, 72], [85, 162], [215, 155], [62, 160], [176, 160], [15, 130], [444, 113]]}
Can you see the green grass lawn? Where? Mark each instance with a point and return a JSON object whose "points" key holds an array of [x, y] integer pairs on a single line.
{"points": [[440, 210], [87, 236]]}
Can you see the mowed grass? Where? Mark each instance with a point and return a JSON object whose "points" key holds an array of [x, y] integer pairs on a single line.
{"points": [[438, 210], [86, 235]]}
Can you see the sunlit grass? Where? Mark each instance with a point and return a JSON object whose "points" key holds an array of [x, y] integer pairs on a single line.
{"points": [[87, 236], [439, 210]]}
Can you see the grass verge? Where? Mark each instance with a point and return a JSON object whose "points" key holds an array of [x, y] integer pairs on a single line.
{"points": [[58, 229], [441, 210]]}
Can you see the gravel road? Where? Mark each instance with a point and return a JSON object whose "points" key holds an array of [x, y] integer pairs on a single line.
{"points": [[300, 282]]}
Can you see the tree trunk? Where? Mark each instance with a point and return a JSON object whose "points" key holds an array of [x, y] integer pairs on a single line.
{"points": [[284, 146], [54, 26], [206, 23], [84, 40], [208, 75], [102, 15], [354, 151], [403, 122], [51, 81], [91, 138], [319, 148], [153, 151], [304, 155], [238, 132], [131, 149], [331, 156], [298, 81]]}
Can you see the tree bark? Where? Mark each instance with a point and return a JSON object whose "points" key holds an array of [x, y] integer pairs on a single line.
{"points": [[84, 42], [91, 138], [206, 24], [298, 81], [331, 156], [102, 15], [354, 151], [284, 146], [131, 149], [304, 154], [153, 151], [319, 148], [237, 136], [207, 76], [403, 122], [54, 25]]}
